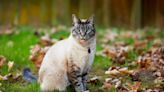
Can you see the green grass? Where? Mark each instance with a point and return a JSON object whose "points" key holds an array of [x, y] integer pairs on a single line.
{"points": [[16, 47]]}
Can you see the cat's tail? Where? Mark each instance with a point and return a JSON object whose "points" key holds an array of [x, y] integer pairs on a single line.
{"points": [[28, 76]]}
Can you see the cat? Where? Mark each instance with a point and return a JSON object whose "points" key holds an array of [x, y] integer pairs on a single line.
{"points": [[69, 61]]}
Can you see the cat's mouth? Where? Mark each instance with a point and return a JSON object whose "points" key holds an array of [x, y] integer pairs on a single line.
{"points": [[83, 42]]}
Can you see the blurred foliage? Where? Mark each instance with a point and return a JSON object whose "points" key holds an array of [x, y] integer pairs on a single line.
{"points": [[109, 13]]}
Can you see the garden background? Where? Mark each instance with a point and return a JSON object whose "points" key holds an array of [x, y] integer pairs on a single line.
{"points": [[130, 42]]}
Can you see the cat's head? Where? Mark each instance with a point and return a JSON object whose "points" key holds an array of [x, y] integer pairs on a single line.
{"points": [[83, 30]]}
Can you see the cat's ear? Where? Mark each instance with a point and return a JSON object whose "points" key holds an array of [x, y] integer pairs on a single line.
{"points": [[75, 19], [91, 19]]}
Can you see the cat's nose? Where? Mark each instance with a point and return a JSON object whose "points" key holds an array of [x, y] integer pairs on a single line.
{"points": [[82, 33]]}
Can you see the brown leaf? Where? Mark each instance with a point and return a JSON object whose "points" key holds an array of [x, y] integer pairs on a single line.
{"points": [[94, 80], [152, 60], [120, 44], [109, 36], [46, 40], [107, 85], [2, 60], [157, 43], [113, 72], [144, 62], [140, 44], [154, 90], [117, 54], [135, 87], [117, 71], [37, 54], [143, 75], [122, 90], [35, 49], [125, 71]]}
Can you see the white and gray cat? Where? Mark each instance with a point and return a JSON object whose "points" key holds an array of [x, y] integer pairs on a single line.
{"points": [[69, 61]]}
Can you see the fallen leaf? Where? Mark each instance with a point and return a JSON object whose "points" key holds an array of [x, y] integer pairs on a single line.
{"points": [[117, 54], [46, 40], [108, 79], [113, 72], [140, 44], [143, 75], [125, 71], [17, 76], [107, 85], [35, 49], [10, 65], [2, 60], [135, 87], [94, 80], [6, 77], [37, 54], [154, 90], [109, 36], [53, 30], [2, 77], [117, 71]]}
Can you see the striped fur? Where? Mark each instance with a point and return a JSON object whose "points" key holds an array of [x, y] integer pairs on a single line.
{"points": [[69, 61], [83, 29]]}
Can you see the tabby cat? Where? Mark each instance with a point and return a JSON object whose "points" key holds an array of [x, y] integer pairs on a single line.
{"points": [[69, 61]]}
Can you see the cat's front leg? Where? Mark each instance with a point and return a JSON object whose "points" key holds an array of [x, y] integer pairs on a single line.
{"points": [[75, 77], [78, 85], [84, 79]]}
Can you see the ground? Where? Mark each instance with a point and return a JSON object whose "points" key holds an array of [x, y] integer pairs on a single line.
{"points": [[16, 47]]}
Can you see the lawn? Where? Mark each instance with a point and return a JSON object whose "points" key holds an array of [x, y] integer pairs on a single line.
{"points": [[16, 47]]}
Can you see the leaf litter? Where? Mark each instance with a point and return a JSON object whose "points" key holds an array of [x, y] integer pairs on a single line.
{"points": [[147, 73], [147, 64]]}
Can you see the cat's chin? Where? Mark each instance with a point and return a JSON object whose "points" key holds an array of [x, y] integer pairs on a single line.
{"points": [[83, 42]]}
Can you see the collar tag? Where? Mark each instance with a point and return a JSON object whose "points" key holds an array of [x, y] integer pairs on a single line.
{"points": [[89, 50]]}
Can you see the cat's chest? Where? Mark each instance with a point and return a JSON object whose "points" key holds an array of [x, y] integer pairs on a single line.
{"points": [[81, 55], [83, 58]]}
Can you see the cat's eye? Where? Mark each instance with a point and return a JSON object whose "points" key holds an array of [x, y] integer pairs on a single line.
{"points": [[88, 31], [92, 33]]}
